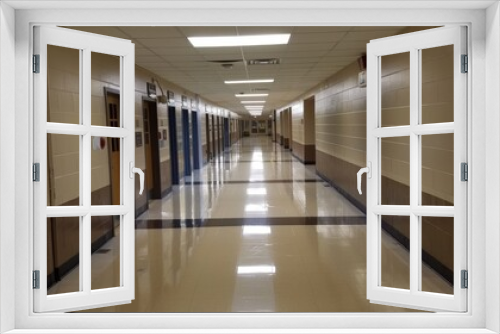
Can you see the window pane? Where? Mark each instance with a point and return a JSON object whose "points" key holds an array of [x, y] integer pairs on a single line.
{"points": [[395, 89], [63, 85], [437, 254], [395, 179], [105, 234], [437, 170], [63, 255], [63, 169], [395, 252], [437, 84], [105, 104], [105, 171]]}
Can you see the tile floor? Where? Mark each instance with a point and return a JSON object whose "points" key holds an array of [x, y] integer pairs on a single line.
{"points": [[269, 236]]}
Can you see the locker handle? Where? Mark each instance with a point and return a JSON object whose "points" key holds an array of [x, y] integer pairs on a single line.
{"points": [[136, 170], [368, 171]]}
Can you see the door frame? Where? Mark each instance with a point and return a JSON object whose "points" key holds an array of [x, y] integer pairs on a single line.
{"points": [[483, 98]]}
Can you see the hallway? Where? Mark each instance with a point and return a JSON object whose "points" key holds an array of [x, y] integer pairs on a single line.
{"points": [[253, 231]]}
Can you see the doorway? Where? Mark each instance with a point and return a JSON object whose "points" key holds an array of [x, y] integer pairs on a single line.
{"points": [[151, 149], [214, 143], [196, 140], [186, 142], [174, 150], [208, 130]]}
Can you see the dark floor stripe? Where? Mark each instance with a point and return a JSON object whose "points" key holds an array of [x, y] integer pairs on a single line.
{"points": [[247, 181], [228, 161], [272, 221]]}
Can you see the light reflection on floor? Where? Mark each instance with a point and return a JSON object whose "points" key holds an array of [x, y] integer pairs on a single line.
{"points": [[261, 268]]}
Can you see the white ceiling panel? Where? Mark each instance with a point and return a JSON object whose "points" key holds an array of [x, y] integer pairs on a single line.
{"points": [[151, 32], [313, 55], [320, 37]]}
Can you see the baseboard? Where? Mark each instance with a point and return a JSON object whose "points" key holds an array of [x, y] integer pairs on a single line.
{"points": [[430, 260]]}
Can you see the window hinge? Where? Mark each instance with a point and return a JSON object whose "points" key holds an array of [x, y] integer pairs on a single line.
{"points": [[36, 172], [465, 279], [36, 63], [464, 171], [36, 279], [465, 64]]}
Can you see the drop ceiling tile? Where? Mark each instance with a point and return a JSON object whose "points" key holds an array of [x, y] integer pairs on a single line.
{"points": [[207, 31], [368, 35], [305, 54], [310, 60], [322, 37], [351, 45], [143, 52], [164, 42], [151, 32], [169, 50], [107, 31], [147, 59], [346, 53], [181, 58], [309, 46]]}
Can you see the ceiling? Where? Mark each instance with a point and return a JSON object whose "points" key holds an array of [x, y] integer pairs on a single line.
{"points": [[312, 55]]}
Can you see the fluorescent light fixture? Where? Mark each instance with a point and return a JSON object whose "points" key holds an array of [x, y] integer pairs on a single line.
{"points": [[254, 107], [245, 40], [256, 230], [232, 82], [248, 270], [251, 95], [256, 208], [256, 191], [251, 102]]}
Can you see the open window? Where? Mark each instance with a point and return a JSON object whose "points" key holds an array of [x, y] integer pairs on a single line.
{"points": [[68, 138], [424, 149]]}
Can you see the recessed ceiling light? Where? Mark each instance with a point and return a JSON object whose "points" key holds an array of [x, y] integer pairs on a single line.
{"points": [[250, 102], [248, 40], [230, 82], [251, 95], [254, 107]]}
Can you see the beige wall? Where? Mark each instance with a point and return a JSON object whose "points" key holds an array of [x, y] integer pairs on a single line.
{"points": [[63, 106], [341, 117], [309, 122], [297, 115]]}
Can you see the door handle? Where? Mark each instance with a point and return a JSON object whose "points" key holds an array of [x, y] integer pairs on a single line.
{"points": [[368, 171], [136, 170]]}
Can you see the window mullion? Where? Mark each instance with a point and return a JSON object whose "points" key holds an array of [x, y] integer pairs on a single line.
{"points": [[85, 165], [414, 168]]}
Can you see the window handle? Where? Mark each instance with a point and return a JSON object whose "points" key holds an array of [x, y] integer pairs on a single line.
{"points": [[136, 170], [368, 171]]}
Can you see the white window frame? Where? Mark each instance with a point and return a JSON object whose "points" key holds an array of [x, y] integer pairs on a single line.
{"points": [[484, 47], [86, 44], [413, 44]]}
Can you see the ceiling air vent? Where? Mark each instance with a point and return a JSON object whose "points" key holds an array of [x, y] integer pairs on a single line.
{"points": [[260, 89], [265, 61]]}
